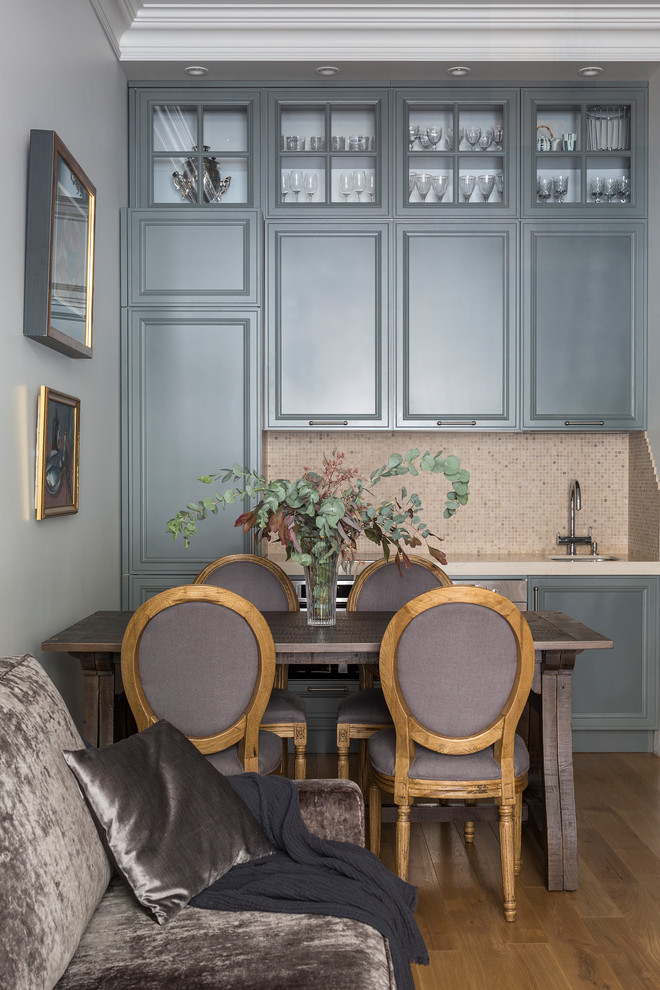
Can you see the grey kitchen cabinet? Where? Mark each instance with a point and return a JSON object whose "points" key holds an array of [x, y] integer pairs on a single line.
{"points": [[190, 382], [327, 324], [457, 324], [322, 697], [615, 692], [328, 153], [201, 258], [194, 146], [457, 152], [584, 325], [595, 138]]}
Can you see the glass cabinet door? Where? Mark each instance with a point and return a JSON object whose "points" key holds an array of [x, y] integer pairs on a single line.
{"points": [[328, 154], [585, 152], [195, 150], [457, 154]]}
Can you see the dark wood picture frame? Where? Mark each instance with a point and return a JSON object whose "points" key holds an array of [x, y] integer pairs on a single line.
{"points": [[59, 259], [58, 450]]}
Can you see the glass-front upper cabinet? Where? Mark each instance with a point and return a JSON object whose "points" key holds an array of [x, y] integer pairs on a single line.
{"points": [[328, 153], [584, 151], [195, 148], [456, 153]]}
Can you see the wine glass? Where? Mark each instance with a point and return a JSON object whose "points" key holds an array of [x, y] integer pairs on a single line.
{"points": [[609, 189], [439, 183], [296, 181], [449, 140], [472, 135], [413, 133], [597, 188], [498, 135], [560, 187], [499, 182], [486, 139], [346, 185], [359, 182], [486, 185], [466, 184], [412, 179], [371, 185], [285, 185], [311, 184], [423, 183], [623, 188], [544, 188], [434, 134], [424, 139]]}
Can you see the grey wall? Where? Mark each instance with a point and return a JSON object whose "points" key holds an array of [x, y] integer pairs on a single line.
{"points": [[59, 73], [654, 263]]}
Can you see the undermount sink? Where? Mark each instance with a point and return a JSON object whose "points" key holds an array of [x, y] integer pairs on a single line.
{"points": [[566, 557]]}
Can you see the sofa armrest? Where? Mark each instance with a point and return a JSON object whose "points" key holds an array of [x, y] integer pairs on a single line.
{"points": [[333, 809]]}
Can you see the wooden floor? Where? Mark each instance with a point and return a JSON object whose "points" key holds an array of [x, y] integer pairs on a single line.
{"points": [[604, 936]]}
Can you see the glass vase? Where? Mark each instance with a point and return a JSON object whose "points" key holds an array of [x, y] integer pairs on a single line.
{"points": [[321, 587]]}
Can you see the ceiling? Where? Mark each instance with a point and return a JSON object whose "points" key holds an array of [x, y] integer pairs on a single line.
{"points": [[381, 41]]}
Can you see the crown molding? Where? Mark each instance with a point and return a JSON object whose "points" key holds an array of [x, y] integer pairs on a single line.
{"points": [[187, 30]]}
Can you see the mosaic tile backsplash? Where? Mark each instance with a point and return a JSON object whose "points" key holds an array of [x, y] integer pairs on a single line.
{"points": [[519, 487]]}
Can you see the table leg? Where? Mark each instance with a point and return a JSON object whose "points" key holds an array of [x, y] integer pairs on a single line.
{"points": [[98, 697]]}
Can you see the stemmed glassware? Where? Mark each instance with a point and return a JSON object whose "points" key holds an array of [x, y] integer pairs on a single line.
{"points": [[346, 185], [498, 136], [311, 184], [423, 183], [486, 185], [285, 185], [544, 188], [623, 188], [296, 180], [597, 188], [412, 180], [434, 134], [466, 184], [359, 182], [499, 182], [439, 183], [413, 133], [560, 187], [424, 139], [472, 135], [371, 185], [486, 139], [609, 189]]}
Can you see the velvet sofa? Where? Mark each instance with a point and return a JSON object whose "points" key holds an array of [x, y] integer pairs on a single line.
{"points": [[66, 921]]}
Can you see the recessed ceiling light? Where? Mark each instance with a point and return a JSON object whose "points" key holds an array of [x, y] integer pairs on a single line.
{"points": [[590, 70], [458, 70], [327, 70], [196, 70]]}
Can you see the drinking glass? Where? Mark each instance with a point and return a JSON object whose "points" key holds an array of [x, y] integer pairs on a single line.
{"points": [[466, 184], [424, 139], [423, 183], [439, 183], [359, 182], [486, 139], [412, 178], [560, 187], [544, 188], [623, 188], [486, 185], [296, 180], [346, 185], [499, 182], [413, 132], [609, 189], [285, 186], [472, 135], [311, 184], [434, 135], [449, 140], [498, 135], [371, 185], [597, 188]]}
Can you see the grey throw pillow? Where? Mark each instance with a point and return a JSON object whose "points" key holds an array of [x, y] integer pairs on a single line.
{"points": [[169, 819]]}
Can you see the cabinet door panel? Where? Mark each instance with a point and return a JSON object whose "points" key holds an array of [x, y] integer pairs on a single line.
{"points": [[199, 258], [457, 325], [190, 388], [584, 325], [327, 322]]}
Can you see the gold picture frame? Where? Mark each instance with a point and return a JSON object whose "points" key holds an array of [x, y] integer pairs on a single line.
{"points": [[58, 449], [59, 261]]}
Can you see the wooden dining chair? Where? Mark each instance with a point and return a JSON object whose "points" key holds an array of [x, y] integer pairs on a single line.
{"points": [[269, 588], [456, 667], [380, 587], [204, 659]]}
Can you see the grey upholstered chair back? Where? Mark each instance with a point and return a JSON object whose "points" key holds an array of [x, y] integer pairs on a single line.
{"points": [[456, 666], [198, 663], [252, 580], [386, 589]]}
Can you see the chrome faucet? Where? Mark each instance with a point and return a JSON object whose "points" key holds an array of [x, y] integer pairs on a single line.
{"points": [[571, 541]]}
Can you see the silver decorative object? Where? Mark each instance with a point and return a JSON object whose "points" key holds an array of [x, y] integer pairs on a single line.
{"points": [[213, 186]]}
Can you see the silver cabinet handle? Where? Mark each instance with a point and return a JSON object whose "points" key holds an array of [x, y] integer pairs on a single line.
{"points": [[456, 422], [328, 690], [584, 422], [536, 599], [328, 422]]}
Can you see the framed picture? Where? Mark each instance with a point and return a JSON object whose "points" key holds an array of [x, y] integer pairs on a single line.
{"points": [[59, 262], [58, 446]]}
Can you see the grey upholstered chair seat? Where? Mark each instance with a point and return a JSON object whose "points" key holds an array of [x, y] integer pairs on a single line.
{"points": [[216, 950], [284, 706], [428, 765], [270, 756], [367, 707]]}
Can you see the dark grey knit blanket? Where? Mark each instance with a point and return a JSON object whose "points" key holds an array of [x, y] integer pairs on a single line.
{"points": [[309, 875]]}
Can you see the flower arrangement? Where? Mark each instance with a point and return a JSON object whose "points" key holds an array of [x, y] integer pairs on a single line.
{"points": [[320, 516]]}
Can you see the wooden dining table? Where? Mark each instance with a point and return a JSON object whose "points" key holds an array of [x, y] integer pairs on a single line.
{"points": [[95, 642]]}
